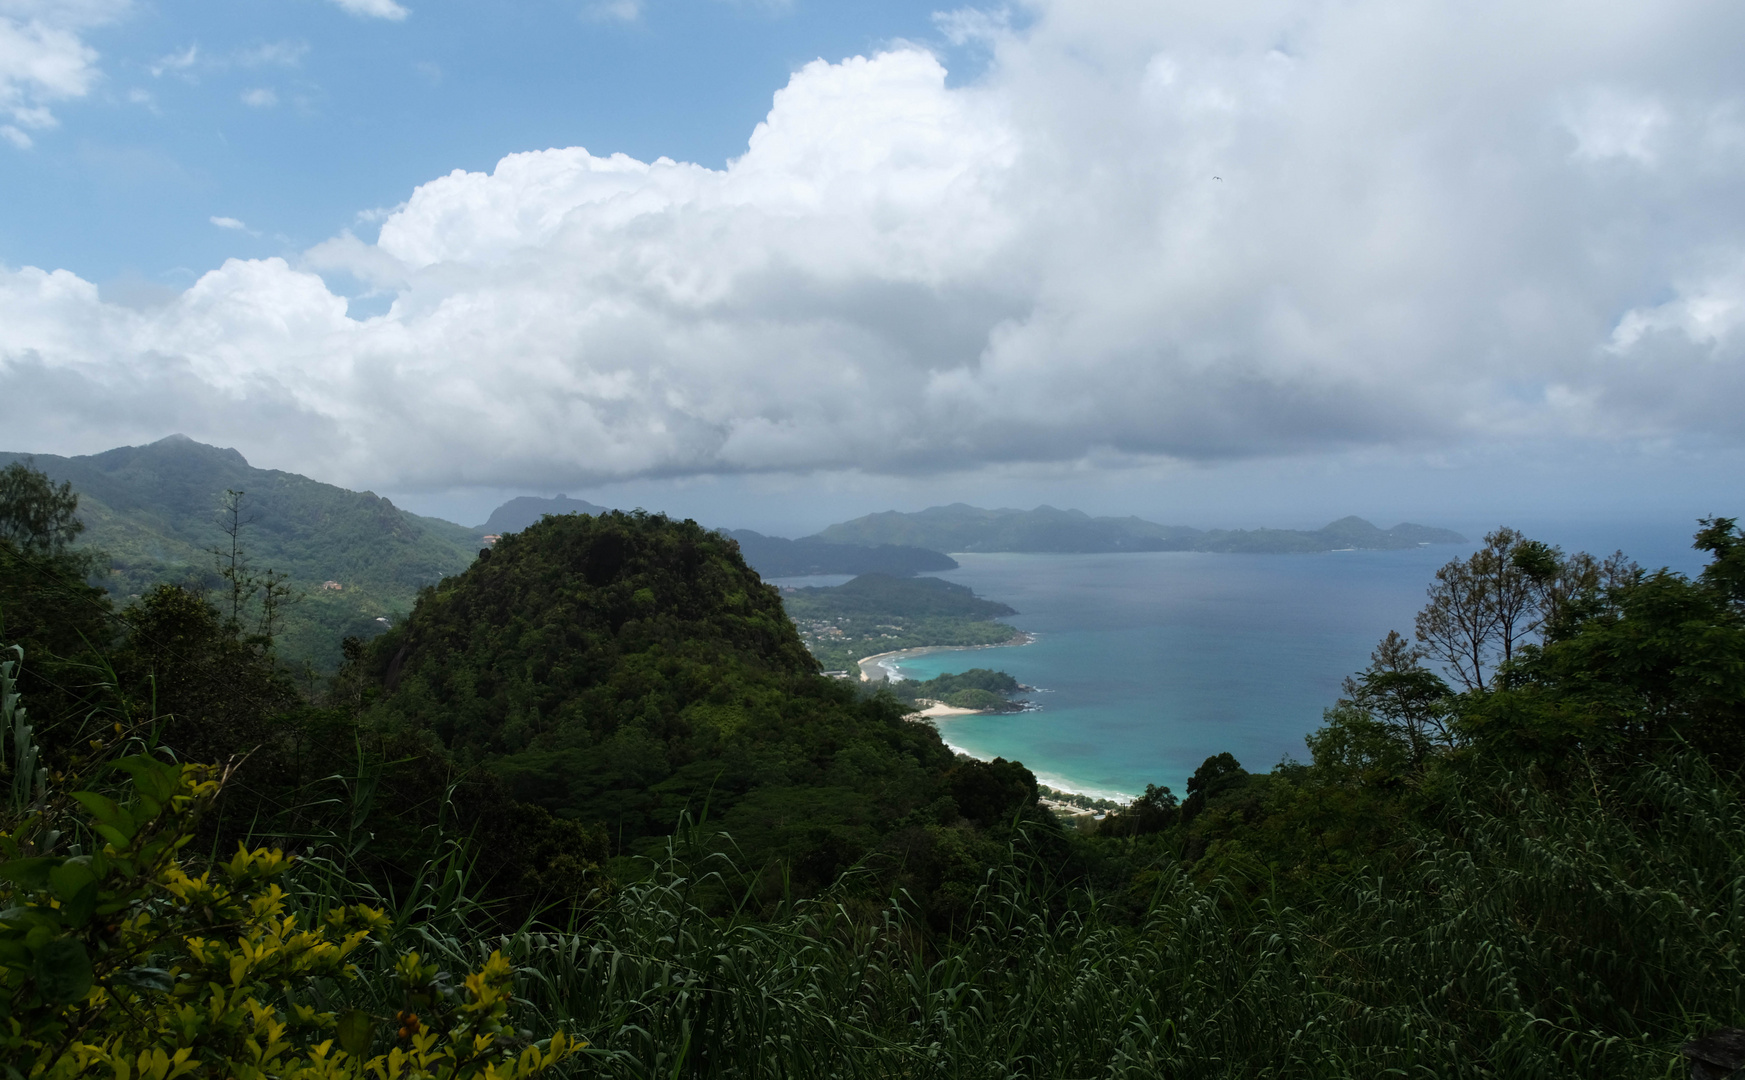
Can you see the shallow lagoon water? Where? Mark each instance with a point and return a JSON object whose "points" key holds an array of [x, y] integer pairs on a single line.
{"points": [[1149, 663]]}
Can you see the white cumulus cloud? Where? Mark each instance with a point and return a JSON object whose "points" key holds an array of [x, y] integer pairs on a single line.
{"points": [[1145, 233], [44, 59], [374, 9]]}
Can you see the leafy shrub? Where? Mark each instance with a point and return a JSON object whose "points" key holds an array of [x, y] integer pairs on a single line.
{"points": [[113, 956]]}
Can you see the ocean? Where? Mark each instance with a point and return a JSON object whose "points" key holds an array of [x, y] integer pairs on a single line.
{"points": [[1146, 664]]}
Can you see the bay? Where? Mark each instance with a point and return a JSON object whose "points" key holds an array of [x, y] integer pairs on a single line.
{"points": [[1148, 663]]}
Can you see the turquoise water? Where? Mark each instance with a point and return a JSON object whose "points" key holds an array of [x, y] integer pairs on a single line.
{"points": [[1150, 663]]}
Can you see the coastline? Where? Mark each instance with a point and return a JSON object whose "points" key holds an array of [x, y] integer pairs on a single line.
{"points": [[878, 660], [884, 663], [1047, 779]]}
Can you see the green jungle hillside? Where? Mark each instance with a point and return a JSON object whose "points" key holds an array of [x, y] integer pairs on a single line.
{"points": [[591, 811], [156, 512], [879, 613], [625, 670], [982, 689]]}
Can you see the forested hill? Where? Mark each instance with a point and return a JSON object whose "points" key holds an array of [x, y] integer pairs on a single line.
{"points": [[879, 613], [622, 669], [960, 527], [155, 510]]}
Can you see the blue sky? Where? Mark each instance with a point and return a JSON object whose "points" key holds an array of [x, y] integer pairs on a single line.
{"points": [[350, 112], [1259, 262]]}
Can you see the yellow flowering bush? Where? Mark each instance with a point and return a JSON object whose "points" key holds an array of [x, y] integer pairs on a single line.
{"points": [[115, 961]]}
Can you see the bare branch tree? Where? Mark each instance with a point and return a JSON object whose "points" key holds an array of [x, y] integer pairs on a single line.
{"points": [[1483, 607], [1399, 691], [232, 559]]}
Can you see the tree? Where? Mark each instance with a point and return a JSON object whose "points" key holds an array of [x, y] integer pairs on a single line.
{"points": [[1216, 774], [1479, 607], [36, 517], [1408, 699], [274, 589], [47, 602], [1634, 664], [1152, 812], [1726, 573], [1484, 608], [116, 959]]}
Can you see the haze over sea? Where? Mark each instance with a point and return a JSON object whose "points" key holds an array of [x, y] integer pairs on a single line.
{"points": [[1148, 663]]}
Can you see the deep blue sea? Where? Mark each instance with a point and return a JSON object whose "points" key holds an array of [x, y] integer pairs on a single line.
{"points": [[1147, 664]]}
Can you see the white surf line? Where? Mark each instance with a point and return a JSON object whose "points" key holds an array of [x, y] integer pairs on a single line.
{"points": [[888, 660]]}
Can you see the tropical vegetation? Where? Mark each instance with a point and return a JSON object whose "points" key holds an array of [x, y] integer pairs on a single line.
{"points": [[1514, 849], [880, 613]]}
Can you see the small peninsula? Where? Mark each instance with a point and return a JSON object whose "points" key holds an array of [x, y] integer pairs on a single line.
{"points": [[880, 613]]}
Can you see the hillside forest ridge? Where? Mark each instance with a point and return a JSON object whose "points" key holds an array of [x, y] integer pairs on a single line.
{"points": [[590, 808]]}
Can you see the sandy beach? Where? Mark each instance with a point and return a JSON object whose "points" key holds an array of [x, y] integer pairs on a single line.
{"points": [[936, 710], [882, 666], [878, 660]]}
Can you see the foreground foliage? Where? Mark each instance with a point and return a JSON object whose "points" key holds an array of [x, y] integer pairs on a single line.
{"points": [[115, 959]]}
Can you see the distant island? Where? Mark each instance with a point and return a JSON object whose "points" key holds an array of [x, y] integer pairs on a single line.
{"points": [[520, 512], [770, 556], [964, 528], [903, 544], [776, 557]]}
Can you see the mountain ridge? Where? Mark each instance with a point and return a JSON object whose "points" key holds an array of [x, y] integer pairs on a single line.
{"points": [[770, 556], [959, 527], [153, 510]]}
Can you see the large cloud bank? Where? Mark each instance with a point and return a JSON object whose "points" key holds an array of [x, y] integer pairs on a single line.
{"points": [[1148, 231]]}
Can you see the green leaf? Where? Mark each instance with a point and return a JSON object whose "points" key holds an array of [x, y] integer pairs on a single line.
{"points": [[114, 836], [62, 971], [356, 1032], [29, 873], [154, 779], [67, 879], [27, 920], [78, 910], [107, 811]]}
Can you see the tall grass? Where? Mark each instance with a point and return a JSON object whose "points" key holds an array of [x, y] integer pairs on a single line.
{"points": [[1533, 935], [1529, 934]]}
